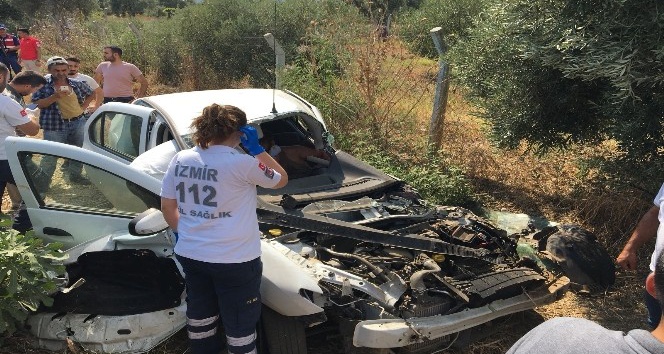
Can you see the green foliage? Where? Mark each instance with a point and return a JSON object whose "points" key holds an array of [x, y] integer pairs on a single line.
{"points": [[225, 37], [164, 52], [10, 14], [318, 69], [553, 73], [56, 8], [175, 3], [353, 80], [436, 180], [379, 10], [130, 7], [24, 13], [27, 269], [455, 17]]}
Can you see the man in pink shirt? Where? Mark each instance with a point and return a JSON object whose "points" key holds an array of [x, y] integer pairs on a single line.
{"points": [[28, 55], [117, 77]]}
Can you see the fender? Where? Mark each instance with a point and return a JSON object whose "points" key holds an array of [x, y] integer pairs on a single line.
{"points": [[283, 279]]}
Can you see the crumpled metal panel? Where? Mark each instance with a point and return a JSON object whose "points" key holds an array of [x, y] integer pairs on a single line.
{"points": [[108, 334]]}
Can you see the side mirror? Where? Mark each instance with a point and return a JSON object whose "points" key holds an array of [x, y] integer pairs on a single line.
{"points": [[147, 223]]}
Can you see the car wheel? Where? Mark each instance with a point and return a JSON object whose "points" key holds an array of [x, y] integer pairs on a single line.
{"points": [[282, 334]]}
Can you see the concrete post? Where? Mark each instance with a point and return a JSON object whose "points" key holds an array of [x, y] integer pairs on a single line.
{"points": [[442, 87], [280, 58]]}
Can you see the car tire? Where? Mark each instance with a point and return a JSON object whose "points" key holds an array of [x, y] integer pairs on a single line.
{"points": [[282, 334]]}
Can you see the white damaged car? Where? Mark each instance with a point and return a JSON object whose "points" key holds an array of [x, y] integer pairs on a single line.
{"points": [[344, 244]]}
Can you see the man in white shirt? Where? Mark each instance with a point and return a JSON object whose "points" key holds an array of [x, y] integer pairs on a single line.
{"points": [[24, 83], [12, 116], [74, 66], [650, 226]]}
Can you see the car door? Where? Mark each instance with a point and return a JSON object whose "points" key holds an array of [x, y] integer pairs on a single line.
{"points": [[110, 194], [119, 130]]}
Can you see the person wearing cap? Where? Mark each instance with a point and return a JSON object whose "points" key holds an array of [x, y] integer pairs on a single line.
{"points": [[117, 77], [28, 56], [9, 46], [63, 102]]}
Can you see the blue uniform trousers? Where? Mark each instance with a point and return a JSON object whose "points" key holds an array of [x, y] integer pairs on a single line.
{"points": [[229, 292]]}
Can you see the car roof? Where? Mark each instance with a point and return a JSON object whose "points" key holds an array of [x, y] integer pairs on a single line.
{"points": [[182, 107]]}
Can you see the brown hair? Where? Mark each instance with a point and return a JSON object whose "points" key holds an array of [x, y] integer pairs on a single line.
{"points": [[217, 123], [28, 77]]}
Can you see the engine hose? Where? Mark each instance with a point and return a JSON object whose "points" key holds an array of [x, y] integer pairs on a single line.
{"points": [[417, 279], [377, 271]]}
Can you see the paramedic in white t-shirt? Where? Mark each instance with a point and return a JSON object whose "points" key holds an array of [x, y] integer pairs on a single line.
{"points": [[12, 116], [650, 225], [209, 197]]}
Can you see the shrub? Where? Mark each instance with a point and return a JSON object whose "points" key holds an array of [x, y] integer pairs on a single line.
{"points": [[27, 270], [553, 73], [456, 17], [438, 181]]}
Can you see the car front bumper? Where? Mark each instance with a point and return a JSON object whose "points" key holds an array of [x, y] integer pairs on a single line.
{"points": [[395, 333], [107, 334]]}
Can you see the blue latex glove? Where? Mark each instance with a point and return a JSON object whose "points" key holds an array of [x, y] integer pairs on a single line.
{"points": [[250, 140]]}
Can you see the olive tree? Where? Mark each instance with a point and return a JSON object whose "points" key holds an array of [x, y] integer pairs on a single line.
{"points": [[556, 72]]}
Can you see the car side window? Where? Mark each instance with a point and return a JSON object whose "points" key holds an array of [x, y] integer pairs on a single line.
{"points": [[96, 191], [118, 133]]}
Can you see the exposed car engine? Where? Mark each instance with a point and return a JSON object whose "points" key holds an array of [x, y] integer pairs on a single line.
{"points": [[471, 262]]}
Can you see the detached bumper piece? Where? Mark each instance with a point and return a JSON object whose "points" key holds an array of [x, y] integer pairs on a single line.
{"points": [[107, 334], [122, 301], [397, 333]]}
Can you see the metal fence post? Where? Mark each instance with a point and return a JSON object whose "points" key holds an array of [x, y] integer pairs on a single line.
{"points": [[442, 87], [280, 58]]}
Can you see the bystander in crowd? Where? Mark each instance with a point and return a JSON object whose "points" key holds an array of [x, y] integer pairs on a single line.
{"points": [[117, 77], [29, 56]]}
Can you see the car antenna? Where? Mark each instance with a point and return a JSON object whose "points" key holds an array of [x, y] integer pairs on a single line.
{"points": [[274, 49]]}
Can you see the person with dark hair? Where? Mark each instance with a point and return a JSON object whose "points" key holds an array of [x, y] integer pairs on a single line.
{"points": [[29, 56], [117, 77], [12, 117], [9, 46], [208, 197], [63, 103], [74, 66], [578, 335], [651, 225], [23, 84]]}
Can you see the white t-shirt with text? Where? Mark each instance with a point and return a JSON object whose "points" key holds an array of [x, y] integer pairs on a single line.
{"points": [[215, 189], [12, 115]]}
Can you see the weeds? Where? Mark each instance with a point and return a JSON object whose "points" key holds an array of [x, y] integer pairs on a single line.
{"points": [[27, 269]]}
